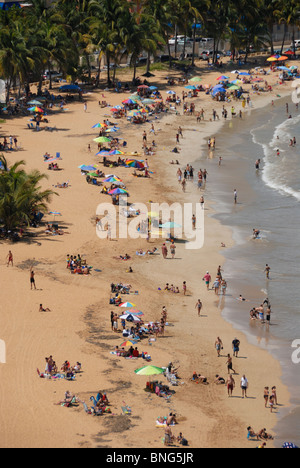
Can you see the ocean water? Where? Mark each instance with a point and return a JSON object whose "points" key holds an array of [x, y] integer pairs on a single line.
{"points": [[268, 200]]}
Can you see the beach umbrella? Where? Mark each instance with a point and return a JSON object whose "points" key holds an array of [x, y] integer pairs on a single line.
{"points": [[54, 214], [149, 370], [128, 101], [283, 68], [135, 97], [289, 445], [127, 305], [223, 78], [196, 79], [190, 87], [234, 87], [86, 168], [113, 152], [118, 191], [147, 101], [99, 125], [128, 343], [143, 87], [153, 88], [236, 82], [111, 130], [112, 179], [171, 92], [136, 164], [245, 73], [235, 72], [134, 312], [35, 103], [102, 140], [293, 67], [36, 109], [130, 318]]}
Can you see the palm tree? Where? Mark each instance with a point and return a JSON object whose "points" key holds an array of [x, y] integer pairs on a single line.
{"points": [[20, 195]]}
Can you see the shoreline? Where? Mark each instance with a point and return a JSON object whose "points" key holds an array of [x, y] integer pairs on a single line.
{"points": [[213, 411]]}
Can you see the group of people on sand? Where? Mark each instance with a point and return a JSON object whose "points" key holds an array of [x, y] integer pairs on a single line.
{"points": [[77, 265], [219, 285], [52, 369]]}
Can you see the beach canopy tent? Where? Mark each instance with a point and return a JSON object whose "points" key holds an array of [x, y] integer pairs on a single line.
{"points": [[69, 88]]}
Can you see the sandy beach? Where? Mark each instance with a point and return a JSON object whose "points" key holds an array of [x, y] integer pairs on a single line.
{"points": [[78, 328]]}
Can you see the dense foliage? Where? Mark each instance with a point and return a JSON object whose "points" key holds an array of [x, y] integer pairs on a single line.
{"points": [[34, 39]]}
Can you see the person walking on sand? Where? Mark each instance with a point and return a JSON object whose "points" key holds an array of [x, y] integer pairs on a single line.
{"points": [[184, 288], [229, 364], [230, 385], [199, 307], [267, 271], [207, 279], [10, 259], [32, 279], [164, 250], [244, 386], [218, 345]]}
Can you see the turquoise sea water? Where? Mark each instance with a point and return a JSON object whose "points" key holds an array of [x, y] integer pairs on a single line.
{"points": [[268, 200]]}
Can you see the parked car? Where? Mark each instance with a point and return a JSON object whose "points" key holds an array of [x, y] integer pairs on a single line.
{"points": [[205, 40], [297, 43], [53, 73], [172, 40], [208, 54]]}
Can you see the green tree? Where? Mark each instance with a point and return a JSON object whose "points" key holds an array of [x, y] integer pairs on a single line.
{"points": [[21, 195]]}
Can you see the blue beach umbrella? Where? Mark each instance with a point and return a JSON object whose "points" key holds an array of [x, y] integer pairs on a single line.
{"points": [[87, 168], [190, 87], [245, 73]]}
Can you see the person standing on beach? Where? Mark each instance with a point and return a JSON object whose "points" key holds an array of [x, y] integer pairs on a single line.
{"points": [[218, 345], [236, 347], [244, 386], [266, 396], [32, 279], [184, 288], [199, 307], [10, 259], [267, 271], [235, 196]]}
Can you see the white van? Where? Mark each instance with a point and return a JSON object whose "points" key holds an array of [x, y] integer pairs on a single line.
{"points": [[297, 43]]}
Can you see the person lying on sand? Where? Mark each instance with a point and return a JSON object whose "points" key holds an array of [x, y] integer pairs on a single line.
{"points": [[198, 378], [41, 309]]}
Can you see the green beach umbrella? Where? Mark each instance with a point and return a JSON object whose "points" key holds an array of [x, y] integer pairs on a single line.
{"points": [[149, 370], [102, 140], [196, 79]]}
